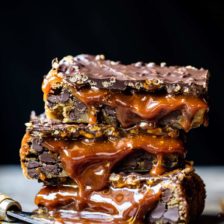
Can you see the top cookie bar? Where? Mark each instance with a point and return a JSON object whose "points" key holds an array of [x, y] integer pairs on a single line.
{"points": [[98, 72]]}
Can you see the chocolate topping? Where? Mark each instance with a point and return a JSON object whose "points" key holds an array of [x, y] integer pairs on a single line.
{"points": [[96, 71]]}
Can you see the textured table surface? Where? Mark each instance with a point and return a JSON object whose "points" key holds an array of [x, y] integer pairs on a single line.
{"points": [[13, 183]]}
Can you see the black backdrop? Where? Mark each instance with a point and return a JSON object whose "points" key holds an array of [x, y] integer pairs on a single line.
{"points": [[177, 32]]}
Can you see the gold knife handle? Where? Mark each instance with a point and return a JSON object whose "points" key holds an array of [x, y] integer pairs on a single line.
{"points": [[8, 204]]}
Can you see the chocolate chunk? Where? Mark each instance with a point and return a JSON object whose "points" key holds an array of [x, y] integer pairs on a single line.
{"points": [[72, 115], [138, 161], [33, 164], [47, 158], [172, 214], [81, 107], [53, 98], [33, 173], [157, 212], [108, 116], [36, 145], [78, 113], [64, 96], [50, 169]]}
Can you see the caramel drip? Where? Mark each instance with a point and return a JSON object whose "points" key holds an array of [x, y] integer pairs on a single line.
{"points": [[144, 105], [158, 169], [52, 197], [90, 163], [50, 81], [119, 205]]}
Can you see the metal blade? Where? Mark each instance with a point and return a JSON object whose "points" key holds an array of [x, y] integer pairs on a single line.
{"points": [[27, 217]]}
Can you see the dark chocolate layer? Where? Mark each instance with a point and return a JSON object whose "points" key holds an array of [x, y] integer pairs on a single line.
{"points": [[41, 126], [101, 73]]}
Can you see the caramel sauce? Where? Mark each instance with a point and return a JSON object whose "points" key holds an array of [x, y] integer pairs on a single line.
{"points": [[146, 106], [112, 205], [50, 80], [90, 163], [158, 168]]}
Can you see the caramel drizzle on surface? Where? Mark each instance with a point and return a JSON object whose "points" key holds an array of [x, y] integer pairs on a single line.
{"points": [[112, 205], [146, 106], [90, 163]]}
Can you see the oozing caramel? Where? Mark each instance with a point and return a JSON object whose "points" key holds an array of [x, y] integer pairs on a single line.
{"points": [[143, 106], [146, 106], [50, 81], [112, 205], [90, 163]]}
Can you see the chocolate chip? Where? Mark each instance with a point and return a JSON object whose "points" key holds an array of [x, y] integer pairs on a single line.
{"points": [[64, 97], [47, 158], [33, 173], [108, 115], [50, 169], [33, 164], [172, 214], [81, 107], [53, 98], [138, 161], [158, 211], [166, 195], [36, 145], [72, 115], [78, 112]]}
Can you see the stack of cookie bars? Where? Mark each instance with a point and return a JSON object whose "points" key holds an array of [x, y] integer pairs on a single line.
{"points": [[110, 147]]}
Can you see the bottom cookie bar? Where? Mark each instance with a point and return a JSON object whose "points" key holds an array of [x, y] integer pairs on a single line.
{"points": [[177, 197]]}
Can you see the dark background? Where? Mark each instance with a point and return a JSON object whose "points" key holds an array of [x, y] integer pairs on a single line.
{"points": [[177, 32]]}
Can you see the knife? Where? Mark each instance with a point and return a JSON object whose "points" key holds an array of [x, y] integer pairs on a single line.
{"points": [[11, 211]]}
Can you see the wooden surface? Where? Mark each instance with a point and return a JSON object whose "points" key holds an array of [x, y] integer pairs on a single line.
{"points": [[13, 183]]}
